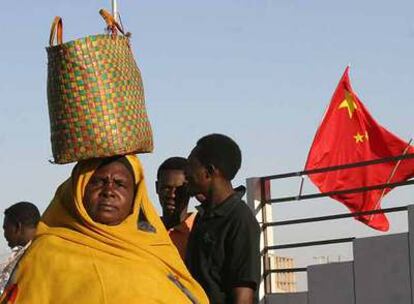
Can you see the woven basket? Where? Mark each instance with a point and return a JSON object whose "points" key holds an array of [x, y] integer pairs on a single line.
{"points": [[95, 97]]}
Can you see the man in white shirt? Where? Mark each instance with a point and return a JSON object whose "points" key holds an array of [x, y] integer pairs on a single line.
{"points": [[19, 225]]}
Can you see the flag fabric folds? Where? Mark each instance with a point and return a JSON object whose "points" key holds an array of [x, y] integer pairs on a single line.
{"points": [[349, 134]]}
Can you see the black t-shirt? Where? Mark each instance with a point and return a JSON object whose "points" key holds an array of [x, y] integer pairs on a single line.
{"points": [[223, 249]]}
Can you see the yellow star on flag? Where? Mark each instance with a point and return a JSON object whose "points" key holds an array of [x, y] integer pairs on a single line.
{"points": [[359, 138], [348, 103]]}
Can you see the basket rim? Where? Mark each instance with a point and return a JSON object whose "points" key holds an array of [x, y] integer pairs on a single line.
{"points": [[67, 43]]}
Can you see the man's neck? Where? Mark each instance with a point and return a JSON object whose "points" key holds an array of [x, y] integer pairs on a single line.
{"points": [[28, 235], [220, 192]]}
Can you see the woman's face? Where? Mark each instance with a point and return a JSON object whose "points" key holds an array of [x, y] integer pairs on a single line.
{"points": [[109, 194]]}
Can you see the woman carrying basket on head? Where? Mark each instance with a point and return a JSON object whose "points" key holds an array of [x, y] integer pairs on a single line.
{"points": [[100, 240]]}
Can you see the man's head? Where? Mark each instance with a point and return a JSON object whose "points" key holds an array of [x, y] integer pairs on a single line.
{"points": [[171, 186], [215, 159], [20, 222]]}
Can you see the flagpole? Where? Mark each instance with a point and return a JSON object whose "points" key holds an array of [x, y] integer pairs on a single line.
{"points": [[391, 176], [300, 189]]}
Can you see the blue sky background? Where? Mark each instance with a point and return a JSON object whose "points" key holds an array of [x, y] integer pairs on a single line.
{"points": [[260, 71]]}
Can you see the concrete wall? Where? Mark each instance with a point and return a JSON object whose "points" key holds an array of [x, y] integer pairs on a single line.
{"points": [[382, 270], [288, 298], [331, 283]]}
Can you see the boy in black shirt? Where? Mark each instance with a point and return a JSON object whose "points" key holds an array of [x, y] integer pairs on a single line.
{"points": [[223, 247]]}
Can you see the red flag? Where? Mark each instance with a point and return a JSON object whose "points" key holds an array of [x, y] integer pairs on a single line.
{"points": [[349, 134]]}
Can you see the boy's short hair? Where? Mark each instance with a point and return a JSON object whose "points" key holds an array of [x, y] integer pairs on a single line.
{"points": [[24, 213], [172, 163], [222, 152]]}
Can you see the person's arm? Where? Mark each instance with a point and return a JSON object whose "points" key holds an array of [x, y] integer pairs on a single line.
{"points": [[243, 295], [244, 258]]}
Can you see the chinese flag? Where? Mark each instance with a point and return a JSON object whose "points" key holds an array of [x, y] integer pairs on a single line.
{"points": [[349, 134]]}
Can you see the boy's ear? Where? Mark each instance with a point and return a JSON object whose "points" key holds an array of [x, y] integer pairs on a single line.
{"points": [[18, 227], [211, 169]]}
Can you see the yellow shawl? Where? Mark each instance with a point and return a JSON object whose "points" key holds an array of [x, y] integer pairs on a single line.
{"points": [[76, 260]]}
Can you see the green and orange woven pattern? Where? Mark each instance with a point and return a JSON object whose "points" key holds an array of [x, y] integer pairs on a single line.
{"points": [[95, 98]]}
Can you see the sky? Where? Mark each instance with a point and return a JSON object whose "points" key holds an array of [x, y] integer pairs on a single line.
{"points": [[259, 71]]}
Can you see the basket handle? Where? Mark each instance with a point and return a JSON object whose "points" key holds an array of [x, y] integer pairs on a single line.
{"points": [[113, 26], [57, 27]]}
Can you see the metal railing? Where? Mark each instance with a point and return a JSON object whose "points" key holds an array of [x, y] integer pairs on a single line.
{"points": [[266, 199]]}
